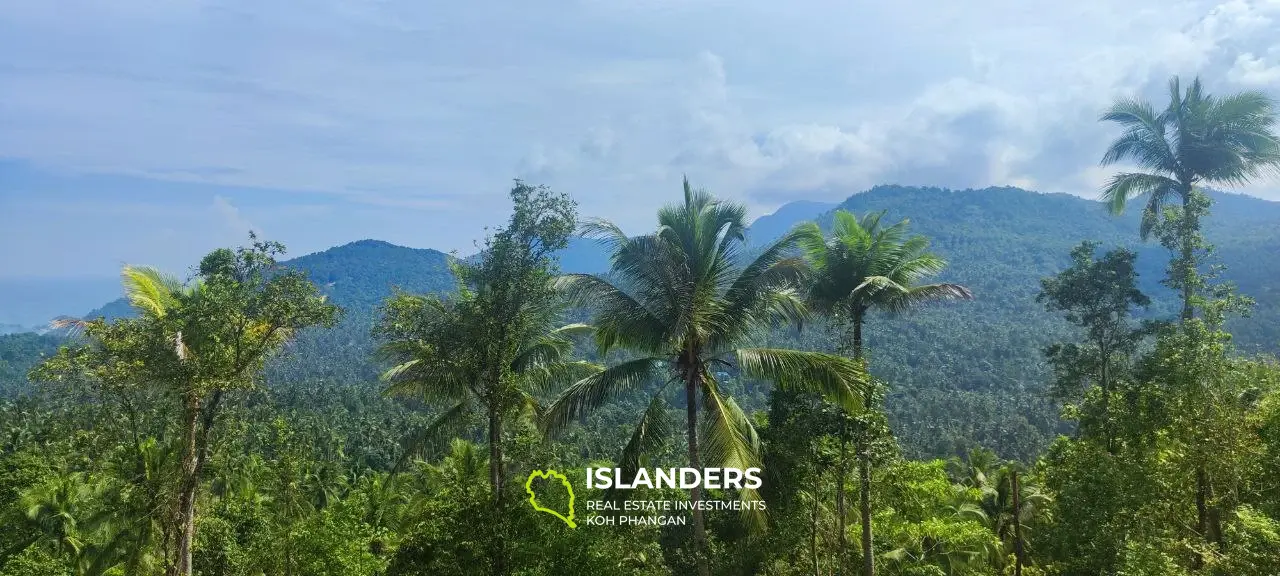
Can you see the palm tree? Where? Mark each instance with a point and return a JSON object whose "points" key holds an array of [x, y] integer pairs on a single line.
{"points": [[860, 268], [1197, 140], [683, 298], [1010, 504], [439, 358]]}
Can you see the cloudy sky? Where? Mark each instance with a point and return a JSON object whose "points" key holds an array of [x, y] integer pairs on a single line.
{"points": [[149, 131]]}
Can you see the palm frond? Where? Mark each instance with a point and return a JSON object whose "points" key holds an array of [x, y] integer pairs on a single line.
{"points": [[651, 435], [919, 295], [150, 291], [431, 439], [620, 313], [603, 231], [1129, 185], [430, 378], [840, 380], [591, 392], [71, 325], [546, 377], [773, 269], [731, 441]]}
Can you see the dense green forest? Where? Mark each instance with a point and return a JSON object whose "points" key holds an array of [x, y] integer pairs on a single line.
{"points": [[933, 382]]}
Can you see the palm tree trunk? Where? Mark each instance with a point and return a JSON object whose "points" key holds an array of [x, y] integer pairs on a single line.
{"points": [[496, 480], [695, 493], [1189, 228], [1017, 523], [841, 510], [185, 514], [1208, 517], [864, 468]]}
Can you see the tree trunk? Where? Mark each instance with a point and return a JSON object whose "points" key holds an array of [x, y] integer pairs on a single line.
{"points": [[864, 492], [497, 478], [864, 466], [1105, 381], [1208, 517], [842, 471], [185, 514], [1017, 522], [695, 493], [1189, 228]]}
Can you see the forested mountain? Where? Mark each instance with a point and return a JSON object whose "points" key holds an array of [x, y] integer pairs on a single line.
{"points": [[951, 389]]}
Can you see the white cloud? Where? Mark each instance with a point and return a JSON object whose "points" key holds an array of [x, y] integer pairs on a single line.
{"points": [[235, 222], [1254, 71], [398, 104]]}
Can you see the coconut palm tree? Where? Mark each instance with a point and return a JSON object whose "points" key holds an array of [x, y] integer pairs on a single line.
{"points": [[864, 267], [1197, 140], [684, 299], [439, 358]]}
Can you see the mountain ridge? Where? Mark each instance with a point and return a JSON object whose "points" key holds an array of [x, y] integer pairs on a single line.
{"points": [[1000, 242]]}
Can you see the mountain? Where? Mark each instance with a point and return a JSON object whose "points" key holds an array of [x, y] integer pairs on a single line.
{"points": [[772, 226], [959, 374]]}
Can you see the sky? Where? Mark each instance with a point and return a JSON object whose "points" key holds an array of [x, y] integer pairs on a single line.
{"points": [[151, 131]]}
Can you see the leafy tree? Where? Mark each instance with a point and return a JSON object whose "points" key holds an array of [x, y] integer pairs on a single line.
{"points": [[197, 342], [683, 300], [864, 267], [1098, 295]]}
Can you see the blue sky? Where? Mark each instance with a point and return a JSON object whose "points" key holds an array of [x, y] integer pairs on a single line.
{"points": [[150, 131]]}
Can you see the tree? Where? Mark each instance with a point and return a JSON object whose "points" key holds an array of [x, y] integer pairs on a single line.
{"points": [[1011, 504], [683, 300], [1197, 140], [1098, 295], [494, 343], [197, 342], [864, 267]]}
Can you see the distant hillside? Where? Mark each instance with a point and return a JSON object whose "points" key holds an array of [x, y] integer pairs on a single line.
{"points": [[19, 353], [960, 374], [974, 370], [357, 276], [771, 226]]}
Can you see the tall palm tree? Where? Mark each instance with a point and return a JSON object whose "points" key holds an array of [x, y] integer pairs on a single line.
{"points": [[684, 298], [864, 267], [1197, 140]]}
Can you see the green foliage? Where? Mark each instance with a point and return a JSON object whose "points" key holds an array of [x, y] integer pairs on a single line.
{"points": [[151, 437], [685, 298]]}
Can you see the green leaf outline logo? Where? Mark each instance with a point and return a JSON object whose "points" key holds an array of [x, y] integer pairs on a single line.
{"points": [[533, 498]]}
